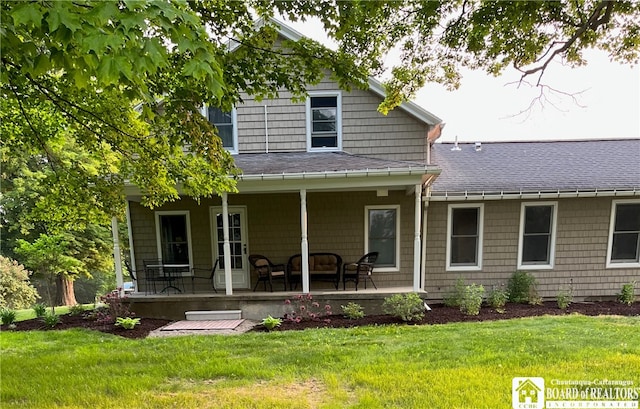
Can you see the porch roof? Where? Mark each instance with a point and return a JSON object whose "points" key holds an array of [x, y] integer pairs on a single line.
{"points": [[326, 170]]}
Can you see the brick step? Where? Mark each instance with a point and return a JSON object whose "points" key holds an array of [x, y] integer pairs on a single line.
{"points": [[213, 315]]}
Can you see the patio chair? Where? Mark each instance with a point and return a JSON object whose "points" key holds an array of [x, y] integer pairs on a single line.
{"points": [[267, 271], [360, 270], [155, 272], [204, 274], [132, 275]]}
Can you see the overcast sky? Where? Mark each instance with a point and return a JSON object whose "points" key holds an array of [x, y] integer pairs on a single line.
{"points": [[485, 108]]}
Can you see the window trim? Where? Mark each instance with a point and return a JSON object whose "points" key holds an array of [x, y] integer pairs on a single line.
{"points": [[478, 266], [396, 207], [553, 232], [159, 233], [309, 121], [234, 132], [612, 222]]}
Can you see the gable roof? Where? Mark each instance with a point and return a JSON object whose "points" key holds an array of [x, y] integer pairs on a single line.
{"points": [[374, 85], [556, 168]]}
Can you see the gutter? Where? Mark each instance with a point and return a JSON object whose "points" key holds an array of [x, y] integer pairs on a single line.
{"points": [[508, 195], [410, 171]]}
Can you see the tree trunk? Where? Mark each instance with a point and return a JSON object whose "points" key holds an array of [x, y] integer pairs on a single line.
{"points": [[64, 291]]}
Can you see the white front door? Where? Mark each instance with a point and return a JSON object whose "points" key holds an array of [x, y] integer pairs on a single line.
{"points": [[237, 244]]}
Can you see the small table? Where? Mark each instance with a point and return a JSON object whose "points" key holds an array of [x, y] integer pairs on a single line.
{"points": [[171, 273]]}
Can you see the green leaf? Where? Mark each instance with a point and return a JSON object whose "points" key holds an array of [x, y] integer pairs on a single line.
{"points": [[59, 16], [27, 14]]}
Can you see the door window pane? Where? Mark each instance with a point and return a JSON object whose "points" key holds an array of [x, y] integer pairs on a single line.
{"points": [[235, 239]]}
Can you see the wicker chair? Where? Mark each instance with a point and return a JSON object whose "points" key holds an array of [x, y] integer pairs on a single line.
{"points": [[267, 271], [360, 270]]}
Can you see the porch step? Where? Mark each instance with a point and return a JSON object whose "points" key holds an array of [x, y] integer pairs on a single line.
{"points": [[213, 315]]}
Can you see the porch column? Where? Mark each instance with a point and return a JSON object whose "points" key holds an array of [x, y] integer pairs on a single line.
{"points": [[116, 256], [423, 269], [132, 255], [417, 247], [304, 243], [226, 247]]}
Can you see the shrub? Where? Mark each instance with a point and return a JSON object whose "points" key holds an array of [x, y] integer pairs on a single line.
{"points": [[564, 298], [270, 323], [115, 306], [77, 309], [305, 308], [472, 299], [353, 311], [407, 307], [50, 320], [40, 310], [497, 299], [454, 298], [127, 322], [627, 294], [7, 316], [522, 288], [16, 291]]}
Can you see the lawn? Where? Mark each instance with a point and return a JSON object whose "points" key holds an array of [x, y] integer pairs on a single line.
{"points": [[465, 365]]}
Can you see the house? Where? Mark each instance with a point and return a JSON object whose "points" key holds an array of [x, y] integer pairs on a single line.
{"points": [[528, 392], [567, 212], [332, 175]]}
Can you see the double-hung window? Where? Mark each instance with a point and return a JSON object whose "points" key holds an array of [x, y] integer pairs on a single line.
{"points": [[324, 121], [225, 122], [382, 234], [536, 245], [464, 237], [624, 234], [173, 235]]}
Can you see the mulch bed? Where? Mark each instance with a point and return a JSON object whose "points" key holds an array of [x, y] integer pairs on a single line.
{"points": [[439, 314]]}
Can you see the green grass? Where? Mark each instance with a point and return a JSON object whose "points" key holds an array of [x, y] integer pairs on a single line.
{"points": [[465, 365], [27, 314]]}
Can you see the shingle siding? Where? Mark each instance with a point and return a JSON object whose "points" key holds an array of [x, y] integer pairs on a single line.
{"points": [[580, 252]]}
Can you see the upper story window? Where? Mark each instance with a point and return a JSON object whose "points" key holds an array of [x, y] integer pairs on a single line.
{"points": [[226, 124], [464, 237], [324, 121], [624, 234], [382, 234], [536, 246]]}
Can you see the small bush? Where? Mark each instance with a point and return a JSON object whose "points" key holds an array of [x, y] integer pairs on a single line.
{"points": [[522, 288], [564, 298], [50, 320], [497, 299], [16, 291], [77, 309], [115, 306], [304, 307], [127, 322], [40, 310], [454, 298], [7, 316], [472, 299], [408, 307], [627, 294], [353, 311], [270, 323]]}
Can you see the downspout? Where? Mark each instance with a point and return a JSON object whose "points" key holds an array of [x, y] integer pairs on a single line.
{"points": [[266, 130]]}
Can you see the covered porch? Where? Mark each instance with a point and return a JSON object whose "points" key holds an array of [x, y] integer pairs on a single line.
{"points": [[359, 205]]}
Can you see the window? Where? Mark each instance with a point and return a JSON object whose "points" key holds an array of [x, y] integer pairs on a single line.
{"points": [[382, 235], [324, 122], [464, 233], [536, 246], [225, 122], [173, 237], [624, 234]]}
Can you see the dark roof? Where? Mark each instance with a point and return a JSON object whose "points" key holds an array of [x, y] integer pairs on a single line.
{"points": [[315, 162], [538, 166]]}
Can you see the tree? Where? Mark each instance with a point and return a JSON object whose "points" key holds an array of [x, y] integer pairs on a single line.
{"points": [[90, 63], [15, 290]]}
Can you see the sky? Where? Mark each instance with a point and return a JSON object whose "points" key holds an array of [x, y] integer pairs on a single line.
{"points": [[601, 100]]}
